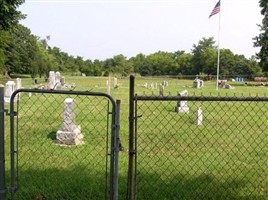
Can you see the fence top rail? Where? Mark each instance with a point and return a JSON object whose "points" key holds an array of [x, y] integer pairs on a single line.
{"points": [[198, 98], [67, 92]]}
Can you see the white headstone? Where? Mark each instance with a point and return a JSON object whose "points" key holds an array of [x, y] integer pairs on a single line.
{"points": [[18, 83], [57, 79], [52, 79], [199, 117], [115, 83], [161, 90], [70, 133], [10, 88], [182, 106], [108, 87]]}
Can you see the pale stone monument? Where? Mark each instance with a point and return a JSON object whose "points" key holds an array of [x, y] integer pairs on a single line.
{"points": [[62, 81], [161, 90], [108, 87], [57, 79], [10, 88], [198, 83], [182, 106], [52, 79], [70, 133], [18, 86], [115, 83], [199, 117]]}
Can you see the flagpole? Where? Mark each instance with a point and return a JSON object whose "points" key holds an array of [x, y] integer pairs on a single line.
{"points": [[218, 61]]}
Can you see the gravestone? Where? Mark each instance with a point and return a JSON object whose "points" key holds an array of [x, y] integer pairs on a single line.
{"points": [[198, 83], [199, 117], [18, 86], [108, 87], [161, 90], [182, 106], [52, 79], [9, 89], [115, 83], [57, 79], [70, 133], [62, 81]]}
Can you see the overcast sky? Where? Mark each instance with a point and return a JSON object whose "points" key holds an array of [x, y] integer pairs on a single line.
{"points": [[102, 29]]}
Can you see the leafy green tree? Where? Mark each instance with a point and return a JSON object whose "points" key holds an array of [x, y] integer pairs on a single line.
{"points": [[185, 64], [138, 61], [262, 40], [198, 50], [9, 15], [21, 50]]}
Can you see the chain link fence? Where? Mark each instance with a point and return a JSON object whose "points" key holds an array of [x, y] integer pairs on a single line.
{"points": [[43, 164], [197, 147], [209, 148]]}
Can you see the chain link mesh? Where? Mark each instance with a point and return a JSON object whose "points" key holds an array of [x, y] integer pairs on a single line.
{"points": [[225, 157], [48, 170]]}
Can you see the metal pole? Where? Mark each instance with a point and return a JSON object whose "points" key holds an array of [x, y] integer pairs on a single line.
{"points": [[130, 187], [117, 142], [2, 146]]}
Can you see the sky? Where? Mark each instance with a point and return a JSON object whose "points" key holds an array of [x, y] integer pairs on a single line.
{"points": [[101, 29]]}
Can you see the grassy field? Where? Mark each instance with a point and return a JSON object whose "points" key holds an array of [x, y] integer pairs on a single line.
{"points": [[225, 158]]}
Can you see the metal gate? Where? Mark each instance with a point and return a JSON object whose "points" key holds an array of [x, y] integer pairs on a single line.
{"points": [[42, 167], [214, 149]]}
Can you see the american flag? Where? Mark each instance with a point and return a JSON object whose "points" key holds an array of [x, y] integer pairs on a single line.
{"points": [[216, 9]]}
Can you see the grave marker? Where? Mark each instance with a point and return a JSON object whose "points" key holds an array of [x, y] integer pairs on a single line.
{"points": [[70, 133], [182, 106]]}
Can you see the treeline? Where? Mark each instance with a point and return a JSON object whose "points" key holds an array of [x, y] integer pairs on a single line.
{"points": [[21, 52]]}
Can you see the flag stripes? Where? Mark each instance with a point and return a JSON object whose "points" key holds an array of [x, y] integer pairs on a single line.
{"points": [[216, 9]]}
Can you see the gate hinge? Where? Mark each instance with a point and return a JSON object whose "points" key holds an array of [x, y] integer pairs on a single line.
{"points": [[12, 114], [8, 113], [135, 118], [131, 153]]}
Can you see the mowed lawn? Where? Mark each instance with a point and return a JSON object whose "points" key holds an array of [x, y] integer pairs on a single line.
{"points": [[225, 158]]}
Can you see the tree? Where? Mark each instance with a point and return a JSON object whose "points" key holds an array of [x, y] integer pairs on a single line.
{"points": [[9, 15], [198, 50], [262, 40]]}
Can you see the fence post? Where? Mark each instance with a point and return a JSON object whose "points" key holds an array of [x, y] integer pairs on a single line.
{"points": [[2, 146], [130, 187], [117, 149]]}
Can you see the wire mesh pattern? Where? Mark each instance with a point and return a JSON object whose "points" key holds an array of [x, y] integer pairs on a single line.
{"points": [[216, 150], [47, 169]]}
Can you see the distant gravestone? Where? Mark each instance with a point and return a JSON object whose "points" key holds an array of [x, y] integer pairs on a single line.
{"points": [[199, 117], [115, 83], [70, 133], [62, 81], [18, 86], [9, 89], [161, 90], [108, 87], [57, 79], [182, 106], [52, 80], [198, 83]]}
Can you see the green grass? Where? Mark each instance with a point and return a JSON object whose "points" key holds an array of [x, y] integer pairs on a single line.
{"points": [[225, 158]]}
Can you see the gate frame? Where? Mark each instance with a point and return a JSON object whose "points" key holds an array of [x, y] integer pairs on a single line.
{"points": [[114, 149]]}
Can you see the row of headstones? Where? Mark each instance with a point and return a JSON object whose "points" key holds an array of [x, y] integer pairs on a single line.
{"points": [[10, 87], [108, 85], [70, 133], [55, 80]]}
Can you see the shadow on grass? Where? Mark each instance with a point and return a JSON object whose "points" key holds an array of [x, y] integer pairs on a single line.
{"points": [[188, 188], [71, 183], [52, 135], [82, 182]]}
